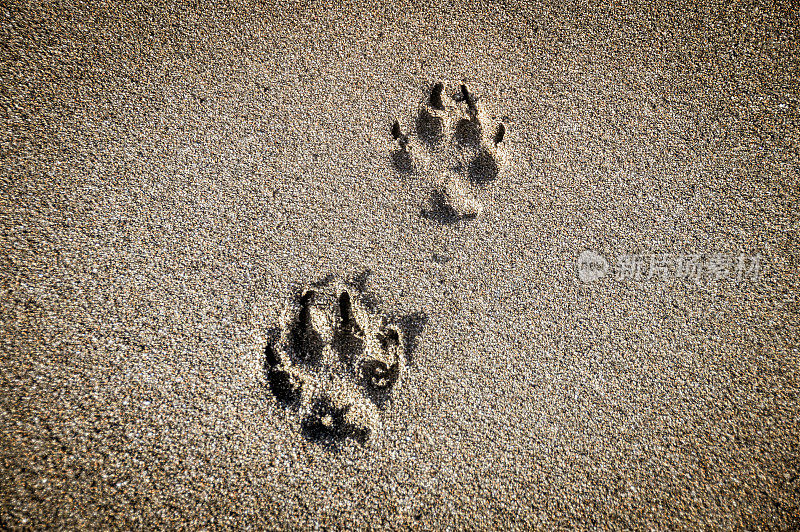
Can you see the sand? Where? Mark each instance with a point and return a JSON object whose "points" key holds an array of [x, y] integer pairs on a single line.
{"points": [[171, 176]]}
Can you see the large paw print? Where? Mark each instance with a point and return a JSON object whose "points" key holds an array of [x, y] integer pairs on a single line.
{"points": [[451, 144], [335, 362]]}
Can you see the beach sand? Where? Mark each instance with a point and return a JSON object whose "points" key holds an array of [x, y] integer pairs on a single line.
{"points": [[171, 176]]}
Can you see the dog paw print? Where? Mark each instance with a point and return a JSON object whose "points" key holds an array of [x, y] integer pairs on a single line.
{"points": [[453, 144], [335, 362]]}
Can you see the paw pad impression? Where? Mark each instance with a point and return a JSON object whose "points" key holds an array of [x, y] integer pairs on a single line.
{"points": [[335, 362], [451, 141]]}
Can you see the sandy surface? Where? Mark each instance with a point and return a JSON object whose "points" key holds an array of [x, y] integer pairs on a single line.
{"points": [[169, 177]]}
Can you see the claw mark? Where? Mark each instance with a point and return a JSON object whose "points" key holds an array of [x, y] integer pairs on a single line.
{"points": [[401, 139], [285, 388], [349, 323], [498, 136], [270, 356], [402, 157], [436, 97], [306, 340], [464, 95]]}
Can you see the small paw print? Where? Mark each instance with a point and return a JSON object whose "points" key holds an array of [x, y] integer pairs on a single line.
{"points": [[452, 145]]}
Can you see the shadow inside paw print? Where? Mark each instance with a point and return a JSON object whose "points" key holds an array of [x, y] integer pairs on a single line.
{"points": [[335, 361], [450, 143], [325, 421], [483, 167], [430, 123], [441, 209]]}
